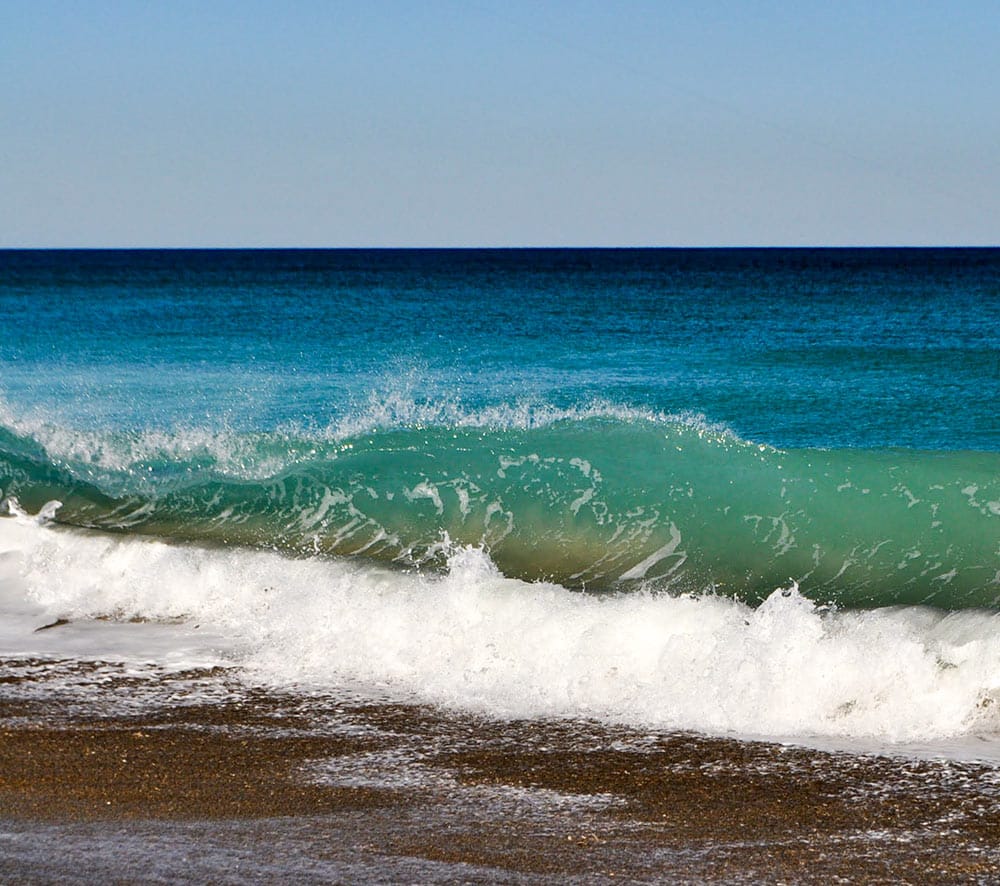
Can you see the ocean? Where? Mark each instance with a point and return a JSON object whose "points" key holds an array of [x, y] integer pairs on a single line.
{"points": [[750, 494]]}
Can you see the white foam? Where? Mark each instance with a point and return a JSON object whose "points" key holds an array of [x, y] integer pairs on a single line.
{"points": [[30, 555], [474, 639]]}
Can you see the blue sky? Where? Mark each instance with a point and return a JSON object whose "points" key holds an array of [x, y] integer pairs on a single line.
{"points": [[498, 123]]}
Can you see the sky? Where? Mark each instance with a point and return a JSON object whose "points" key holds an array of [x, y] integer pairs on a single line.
{"points": [[489, 123]]}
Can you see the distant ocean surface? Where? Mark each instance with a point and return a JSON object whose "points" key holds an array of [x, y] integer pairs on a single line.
{"points": [[751, 491]]}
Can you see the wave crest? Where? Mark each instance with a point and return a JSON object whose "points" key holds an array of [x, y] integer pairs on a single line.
{"points": [[595, 498]]}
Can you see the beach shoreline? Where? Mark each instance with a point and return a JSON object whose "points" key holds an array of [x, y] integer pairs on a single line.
{"points": [[337, 787]]}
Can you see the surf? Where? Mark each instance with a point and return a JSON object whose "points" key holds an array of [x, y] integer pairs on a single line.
{"points": [[469, 638], [596, 499]]}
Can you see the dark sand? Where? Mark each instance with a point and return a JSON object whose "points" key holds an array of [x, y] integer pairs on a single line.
{"points": [[293, 788]]}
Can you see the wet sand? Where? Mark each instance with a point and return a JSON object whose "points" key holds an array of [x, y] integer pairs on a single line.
{"points": [[269, 787]]}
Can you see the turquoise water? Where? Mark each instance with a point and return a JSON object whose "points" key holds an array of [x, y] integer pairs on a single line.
{"points": [[720, 421]]}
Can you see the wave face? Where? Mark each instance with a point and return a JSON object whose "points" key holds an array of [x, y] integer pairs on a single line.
{"points": [[598, 499]]}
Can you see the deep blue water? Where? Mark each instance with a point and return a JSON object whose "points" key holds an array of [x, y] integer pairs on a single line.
{"points": [[792, 347]]}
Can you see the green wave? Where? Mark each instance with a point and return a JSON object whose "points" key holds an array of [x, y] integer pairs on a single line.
{"points": [[597, 503]]}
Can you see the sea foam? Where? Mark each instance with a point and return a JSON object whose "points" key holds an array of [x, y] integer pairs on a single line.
{"points": [[472, 639]]}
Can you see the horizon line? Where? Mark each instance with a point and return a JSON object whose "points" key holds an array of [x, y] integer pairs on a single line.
{"points": [[484, 248]]}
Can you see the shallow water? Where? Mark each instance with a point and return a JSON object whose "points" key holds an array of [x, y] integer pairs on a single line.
{"points": [[184, 784]]}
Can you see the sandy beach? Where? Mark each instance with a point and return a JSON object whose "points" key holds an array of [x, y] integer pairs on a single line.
{"points": [[268, 786]]}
